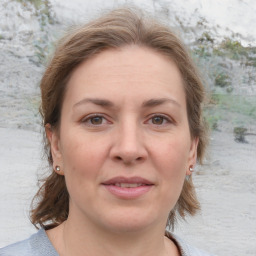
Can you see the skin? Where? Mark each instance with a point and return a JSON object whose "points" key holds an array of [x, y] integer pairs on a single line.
{"points": [[139, 129]]}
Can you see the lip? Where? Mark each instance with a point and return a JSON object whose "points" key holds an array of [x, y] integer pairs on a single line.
{"points": [[113, 186], [122, 179]]}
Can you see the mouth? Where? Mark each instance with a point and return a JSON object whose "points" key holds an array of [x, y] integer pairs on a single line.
{"points": [[128, 188], [126, 181], [129, 185]]}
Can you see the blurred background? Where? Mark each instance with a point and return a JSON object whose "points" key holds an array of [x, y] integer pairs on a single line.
{"points": [[221, 38]]}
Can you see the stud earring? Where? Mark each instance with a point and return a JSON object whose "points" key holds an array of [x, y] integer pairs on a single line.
{"points": [[57, 168], [191, 169]]}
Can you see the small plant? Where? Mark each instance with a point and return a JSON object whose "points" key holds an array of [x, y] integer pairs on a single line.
{"points": [[212, 115], [239, 133], [251, 62], [205, 38], [212, 120], [201, 51], [43, 42], [235, 103], [232, 49], [234, 46], [43, 9], [222, 80]]}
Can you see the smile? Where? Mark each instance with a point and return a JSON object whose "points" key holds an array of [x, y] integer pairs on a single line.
{"points": [[128, 188], [129, 185]]}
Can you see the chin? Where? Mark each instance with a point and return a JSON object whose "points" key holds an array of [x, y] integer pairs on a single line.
{"points": [[130, 221]]}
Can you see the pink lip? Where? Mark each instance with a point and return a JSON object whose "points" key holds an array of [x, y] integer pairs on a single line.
{"points": [[122, 179], [131, 192]]}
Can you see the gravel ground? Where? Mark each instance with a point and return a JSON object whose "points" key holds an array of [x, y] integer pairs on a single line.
{"points": [[226, 184]]}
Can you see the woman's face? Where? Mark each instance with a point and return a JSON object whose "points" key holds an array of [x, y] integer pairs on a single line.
{"points": [[124, 144]]}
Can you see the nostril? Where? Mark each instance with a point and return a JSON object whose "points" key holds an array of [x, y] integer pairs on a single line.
{"points": [[118, 158], [128, 160]]}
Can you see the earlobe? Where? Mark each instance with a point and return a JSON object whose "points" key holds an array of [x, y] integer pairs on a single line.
{"points": [[192, 156], [53, 139]]}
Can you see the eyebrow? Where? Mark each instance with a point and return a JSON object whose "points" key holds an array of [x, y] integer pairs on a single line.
{"points": [[157, 102], [109, 104], [96, 101]]}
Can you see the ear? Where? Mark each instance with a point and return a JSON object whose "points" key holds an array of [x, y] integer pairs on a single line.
{"points": [[53, 138], [192, 154]]}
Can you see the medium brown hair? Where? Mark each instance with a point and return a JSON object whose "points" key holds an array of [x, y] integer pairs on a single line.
{"points": [[116, 29]]}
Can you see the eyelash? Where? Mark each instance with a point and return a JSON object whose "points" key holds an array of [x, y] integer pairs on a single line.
{"points": [[88, 120], [165, 118]]}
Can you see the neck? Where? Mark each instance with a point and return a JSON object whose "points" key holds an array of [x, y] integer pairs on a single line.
{"points": [[78, 238]]}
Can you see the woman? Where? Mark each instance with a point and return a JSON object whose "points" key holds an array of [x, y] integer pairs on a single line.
{"points": [[121, 106]]}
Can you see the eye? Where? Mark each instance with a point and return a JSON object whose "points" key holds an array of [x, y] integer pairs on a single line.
{"points": [[94, 120], [159, 120]]}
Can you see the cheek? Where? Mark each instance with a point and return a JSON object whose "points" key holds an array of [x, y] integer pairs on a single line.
{"points": [[81, 166], [173, 172], [171, 165], [82, 157], [172, 156]]}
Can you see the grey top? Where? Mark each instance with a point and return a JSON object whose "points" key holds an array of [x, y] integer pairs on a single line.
{"points": [[39, 245], [36, 245]]}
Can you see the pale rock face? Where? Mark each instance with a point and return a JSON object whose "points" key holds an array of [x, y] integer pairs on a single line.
{"points": [[223, 18], [225, 185], [18, 25]]}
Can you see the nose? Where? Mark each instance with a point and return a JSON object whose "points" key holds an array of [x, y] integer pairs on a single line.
{"points": [[128, 147]]}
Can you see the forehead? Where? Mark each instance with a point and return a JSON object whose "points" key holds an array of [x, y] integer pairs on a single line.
{"points": [[131, 71]]}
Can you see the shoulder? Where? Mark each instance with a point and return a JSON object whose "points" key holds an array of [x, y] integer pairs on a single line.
{"points": [[36, 245], [185, 248]]}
